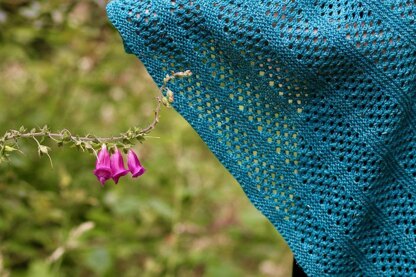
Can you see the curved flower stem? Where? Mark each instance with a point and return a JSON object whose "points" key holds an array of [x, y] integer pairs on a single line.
{"points": [[91, 142], [57, 137]]}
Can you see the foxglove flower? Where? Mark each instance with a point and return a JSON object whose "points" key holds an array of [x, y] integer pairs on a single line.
{"points": [[117, 166], [102, 166], [134, 165]]}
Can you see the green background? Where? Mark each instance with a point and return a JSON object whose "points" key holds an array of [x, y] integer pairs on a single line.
{"points": [[63, 64]]}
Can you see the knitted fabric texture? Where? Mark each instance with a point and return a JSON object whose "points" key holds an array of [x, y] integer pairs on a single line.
{"points": [[311, 106]]}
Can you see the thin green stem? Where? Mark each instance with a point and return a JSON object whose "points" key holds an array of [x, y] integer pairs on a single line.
{"points": [[89, 141]]}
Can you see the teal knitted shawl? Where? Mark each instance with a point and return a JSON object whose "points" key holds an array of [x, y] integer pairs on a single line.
{"points": [[311, 106]]}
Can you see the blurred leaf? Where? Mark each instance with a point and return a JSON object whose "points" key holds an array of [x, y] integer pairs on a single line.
{"points": [[39, 269], [161, 208], [223, 269], [98, 260]]}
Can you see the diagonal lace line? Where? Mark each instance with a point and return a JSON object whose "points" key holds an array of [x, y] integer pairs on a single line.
{"points": [[393, 18], [312, 210], [389, 160], [406, 105], [392, 164], [288, 231], [326, 89], [376, 211], [404, 100]]}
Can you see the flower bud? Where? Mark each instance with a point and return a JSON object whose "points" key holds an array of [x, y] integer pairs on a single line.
{"points": [[165, 102], [169, 95]]}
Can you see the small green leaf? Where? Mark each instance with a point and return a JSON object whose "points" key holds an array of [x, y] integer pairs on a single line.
{"points": [[140, 138], [126, 141], [45, 128], [8, 148], [66, 135]]}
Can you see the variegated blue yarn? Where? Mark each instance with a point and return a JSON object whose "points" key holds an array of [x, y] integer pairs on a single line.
{"points": [[310, 104]]}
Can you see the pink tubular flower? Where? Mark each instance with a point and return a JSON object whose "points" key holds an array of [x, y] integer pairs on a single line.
{"points": [[102, 166], [134, 165], [117, 166]]}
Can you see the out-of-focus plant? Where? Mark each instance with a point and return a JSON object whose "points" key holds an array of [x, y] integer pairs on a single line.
{"points": [[72, 242]]}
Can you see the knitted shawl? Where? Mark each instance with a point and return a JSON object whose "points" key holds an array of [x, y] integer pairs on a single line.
{"points": [[310, 105]]}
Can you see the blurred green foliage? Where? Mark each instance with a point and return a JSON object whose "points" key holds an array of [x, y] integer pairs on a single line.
{"points": [[62, 64]]}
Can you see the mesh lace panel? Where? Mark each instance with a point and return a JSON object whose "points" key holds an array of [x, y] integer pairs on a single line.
{"points": [[311, 106]]}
